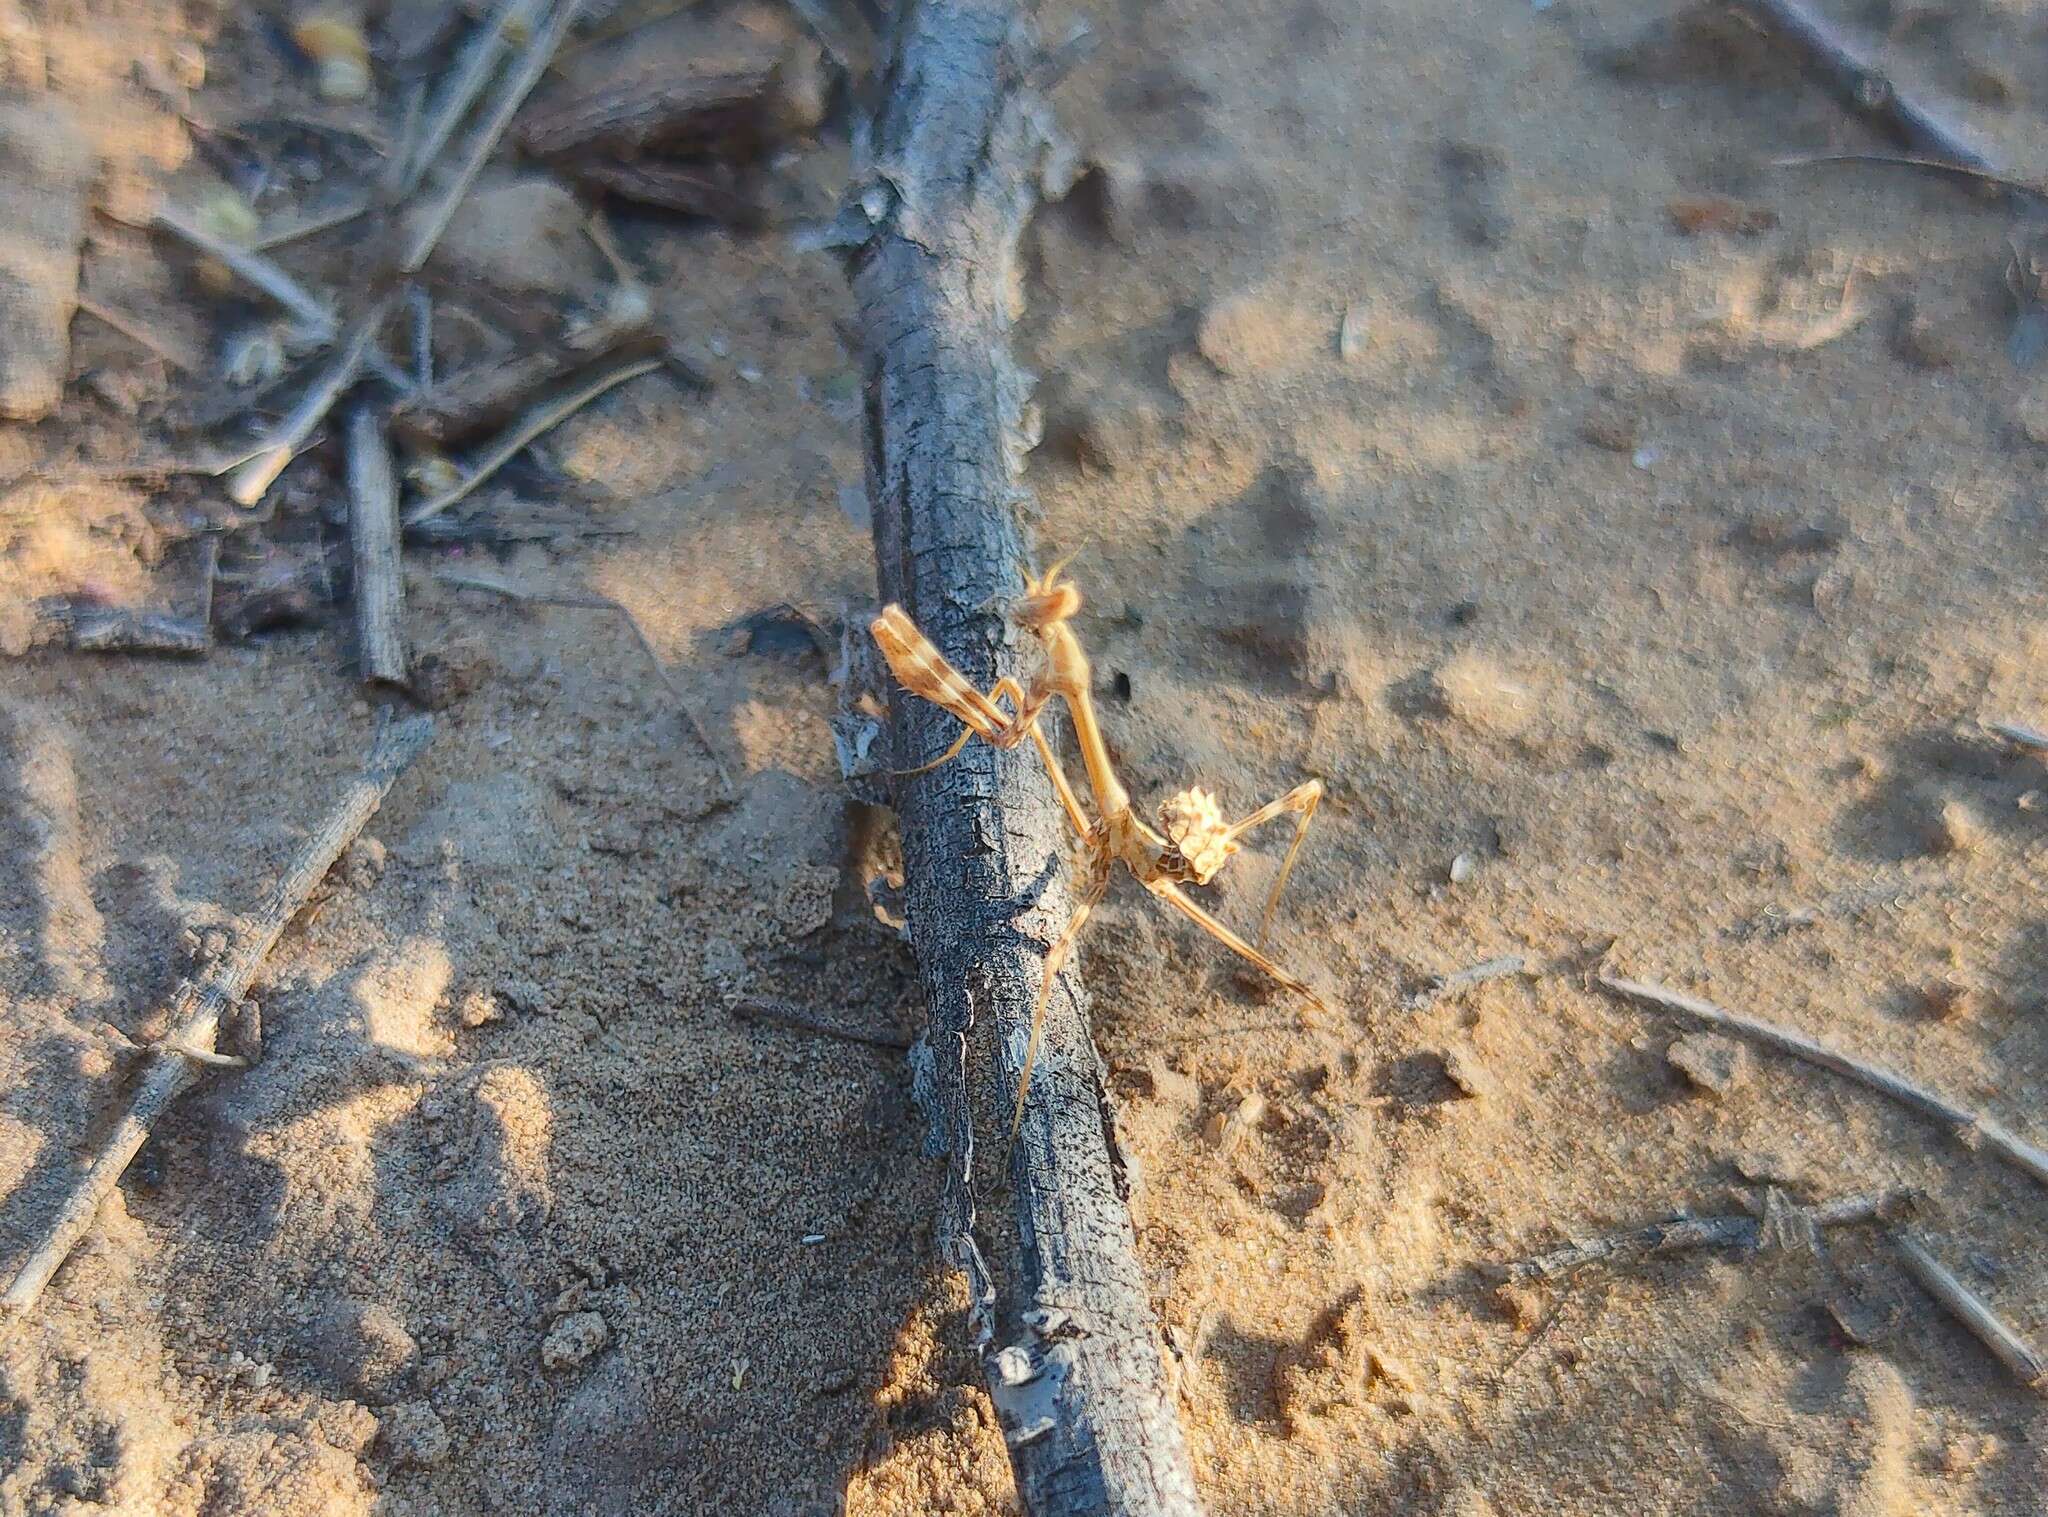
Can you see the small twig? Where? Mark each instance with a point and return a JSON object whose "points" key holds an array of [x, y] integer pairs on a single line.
{"points": [[373, 530], [1974, 175], [764, 1009], [199, 1008], [479, 56], [326, 221], [209, 576], [2006, 1345], [172, 352], [2025, 737], [1443, 984], [120, 629], [254, 270], [420, 303], [247, 484], [540, 420], [595, 602], [1860, 86], [518, 85], [1969, 1128], [1678, 1234]]}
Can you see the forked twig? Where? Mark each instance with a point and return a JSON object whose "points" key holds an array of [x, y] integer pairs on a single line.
{"points": [[2005, 1342], [198, 1008], [518, 85], [1969, 1128], [541, 420], [1679, 1234], [594, 602]]}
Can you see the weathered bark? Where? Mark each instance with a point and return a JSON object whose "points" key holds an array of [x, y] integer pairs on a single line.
{"points": [[1069, 1346]]}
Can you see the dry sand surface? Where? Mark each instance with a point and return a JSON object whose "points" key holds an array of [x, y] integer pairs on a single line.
{"points": [[1448, 402]]}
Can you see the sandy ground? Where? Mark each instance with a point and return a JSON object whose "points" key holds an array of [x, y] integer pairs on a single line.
{"points": [[1659, 579]]}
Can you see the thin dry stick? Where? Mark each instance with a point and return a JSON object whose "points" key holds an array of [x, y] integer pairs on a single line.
{"points": [[541, 420], [172, 352], [254, 270], [251, 480], [119, 629], [1678, 1234], [1477, 974], [326, 221], [1942, 166], [774, 1013], [518, 85], [595, 602], [419, 303], [1861, 86], [373, 531], [479, 57], [1971, 1129], [199, 1008], [2025, 737], [1991, 1330]]}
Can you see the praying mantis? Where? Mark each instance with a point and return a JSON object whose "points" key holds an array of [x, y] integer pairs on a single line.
{"points": [[1192, 841]]}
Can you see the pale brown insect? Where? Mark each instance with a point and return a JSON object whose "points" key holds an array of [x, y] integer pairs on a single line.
{"points": [[1192, 841]]}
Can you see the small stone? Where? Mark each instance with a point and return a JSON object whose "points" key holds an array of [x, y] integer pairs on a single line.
{"points": [[1258, 333], [1924, 342], [1463, 867], [1225, 1133], [449, 674], [573, 1340], [1947, 1000], [1709, 1061], [1462, 1067], [1520, 1304], [1612, 427], [361, 1348], [1351, 334], [1955, 828], [2030, 415], [413, 1436], [1170, 1087], [522, 234], [363, 865], [1476, 691], [477, 1007]]}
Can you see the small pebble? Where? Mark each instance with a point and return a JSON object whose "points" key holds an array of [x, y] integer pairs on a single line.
{"points": [[573, 1340], [1226, 1132], [1463, 867], [1709, 1061], [1462, 1067], [414, 1437]]}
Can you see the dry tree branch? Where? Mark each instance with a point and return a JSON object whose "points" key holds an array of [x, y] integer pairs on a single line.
{"points": [[961, 143], [198, 1008]]}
